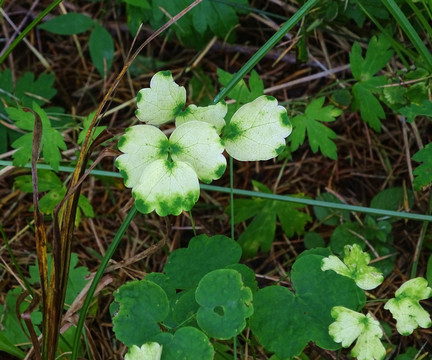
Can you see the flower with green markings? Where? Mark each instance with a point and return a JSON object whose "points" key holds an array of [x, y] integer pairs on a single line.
{"points": [[355, 266], [163, 173], [148, 351], [406, 309], [351, 325]]}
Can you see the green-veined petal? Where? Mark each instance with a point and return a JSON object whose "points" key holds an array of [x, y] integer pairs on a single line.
{"points": [[162, 102], [257, 130], [212, 114], [198, 144]]}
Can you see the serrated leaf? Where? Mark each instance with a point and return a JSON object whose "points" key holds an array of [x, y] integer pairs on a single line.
{"points": [[225, 303], [355, 266], [285, 322], [394, 198], [241, 92], [413, 110], [86, 124], [327, 215], [68, 24], [38, 91], [23, 119], [423, 172], [142, 305], [148, 351], [319, 135], [257, 130], [101, 47], [406, 309], [351, 325], [186, 343], [162, 102], [186, 266]]}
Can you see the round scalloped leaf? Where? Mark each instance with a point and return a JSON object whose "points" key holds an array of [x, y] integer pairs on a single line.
{"points": [[198, 144], [212, 114], [186, 266], [141, 145], [284, 323], [257, 130], [225, 303], [187, 343], [142, 305], [148, 351], [184, 308], [167, 187], [162, 101]]}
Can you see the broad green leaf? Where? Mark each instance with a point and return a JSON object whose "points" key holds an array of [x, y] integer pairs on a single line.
{"points": [[198, 144], [257, 130], [142, 305], [148, 351], [168, 188], [413, 110], [139, 3], [101, 47], [429, 270], [225, 303], [38, 91], [406, 309], [23, 119], [355, 266], [162, 102], [187, 343], [394, 198], [313, 240], [8, 347], [47, 180], [212, 114], [24, 146], [423, 172], [319, 135], [285, 323], [186, 266], [351, 325], [330, 216], [68, 24]]}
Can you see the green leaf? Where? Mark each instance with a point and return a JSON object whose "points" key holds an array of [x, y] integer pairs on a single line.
{"points": [[23, 119], [86, 124], [355, 266], [285, 323], [423, 172], [47, 180], [68, 24], [101, 47], [257, 131], [162, 102], [319, 135], [8, 347], [24, 146], [148, 351], [351, 325], [405, 307], [186, 266], [394, 198], [241, 92], [313, 240], [330, 216], [142, 305], [225, 303], [413, 110], [39, 91], [187, 343], [139, 3]]}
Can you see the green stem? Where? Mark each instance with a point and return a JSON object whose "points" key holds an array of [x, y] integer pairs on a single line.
{"points": [[409, 30], [232, 195], [28, 29], [266, 48], [98, 276]]}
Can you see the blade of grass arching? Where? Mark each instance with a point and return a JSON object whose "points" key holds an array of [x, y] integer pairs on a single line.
{"points": [[421, 18], [28, 28], [399, 48], [270, 44], [408, 29]]}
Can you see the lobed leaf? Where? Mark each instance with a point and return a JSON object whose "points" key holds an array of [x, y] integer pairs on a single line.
{"points": [[406, 308], [351, 325], [148, 351], [423, 172], [162, 102]]}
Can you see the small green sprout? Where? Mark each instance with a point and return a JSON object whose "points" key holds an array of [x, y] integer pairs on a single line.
{"points": [[355, 266], [406, 309], [148, 351], [163, 173], [351, 325]]}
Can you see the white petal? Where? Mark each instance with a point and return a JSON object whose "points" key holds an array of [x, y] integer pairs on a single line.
{"points": [[167, 187], [198, 144], [141, 145], [212, 114], [257, 130], [162, 101]]}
